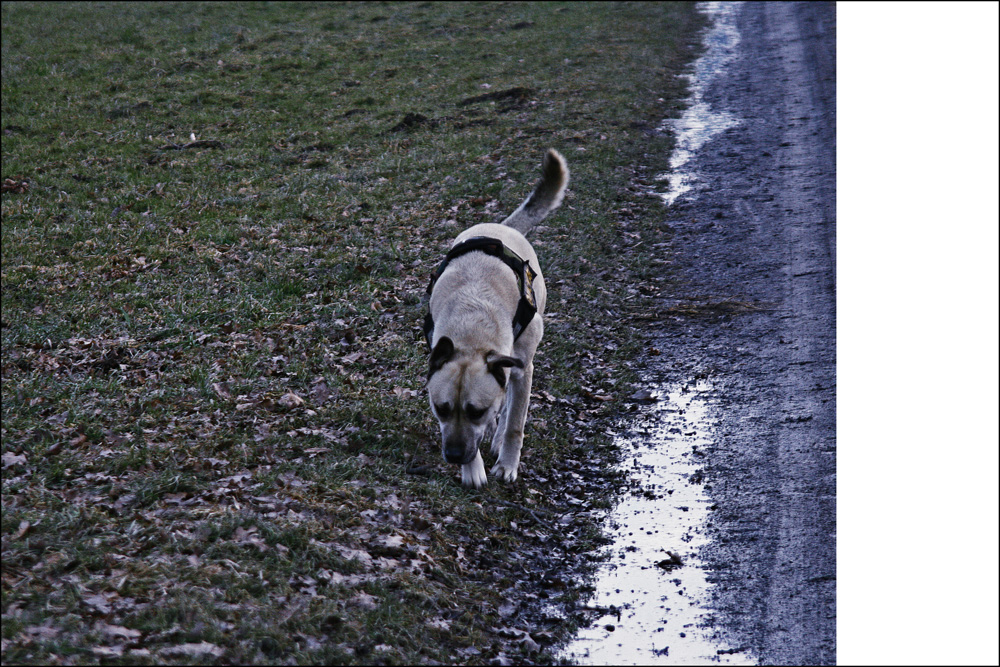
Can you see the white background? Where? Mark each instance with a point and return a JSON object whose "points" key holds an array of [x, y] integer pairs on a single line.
{"points": [[917, 340]]}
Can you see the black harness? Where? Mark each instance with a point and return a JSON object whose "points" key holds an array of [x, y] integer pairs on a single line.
{"points": [[526, 307]]}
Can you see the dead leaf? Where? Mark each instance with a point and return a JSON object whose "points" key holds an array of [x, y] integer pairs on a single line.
{"points": [[363, 557], [404, 393], [12, 459], [389, 545], [291, 480], [543, 637], [363, 601], [320, 392], [15, 185], [644, 396], [313, 451], [249, 536], [336, 578], [520, 636], [115, 651], [99, 603], [237, 480], [529, 644], [509, 633], [42, 631], [22, 530], [192, 650], [291, 400], [670, 563]]}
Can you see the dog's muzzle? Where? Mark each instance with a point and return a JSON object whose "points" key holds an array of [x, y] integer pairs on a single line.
{"points": [[455, 453]]}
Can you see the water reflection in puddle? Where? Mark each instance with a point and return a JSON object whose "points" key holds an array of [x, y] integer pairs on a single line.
{"points": [[700, 122], [654, 608]]}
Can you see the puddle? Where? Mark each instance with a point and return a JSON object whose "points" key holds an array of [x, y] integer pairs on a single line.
{"points": [[655, 609], [700, 122]]}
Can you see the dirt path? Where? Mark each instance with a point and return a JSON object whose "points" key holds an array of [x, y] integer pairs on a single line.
{"points": [[757, 236]]}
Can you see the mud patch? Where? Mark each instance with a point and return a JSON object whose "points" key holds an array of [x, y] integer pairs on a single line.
{"points": [[699, 307]]}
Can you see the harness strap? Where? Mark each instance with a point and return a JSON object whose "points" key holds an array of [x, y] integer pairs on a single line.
{"points": [[526, 307]]}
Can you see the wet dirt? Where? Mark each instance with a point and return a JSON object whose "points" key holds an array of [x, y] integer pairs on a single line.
{"points": [[750, 335]]}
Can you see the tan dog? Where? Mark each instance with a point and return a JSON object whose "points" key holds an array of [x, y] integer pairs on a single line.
{"points": [[484, 324]]}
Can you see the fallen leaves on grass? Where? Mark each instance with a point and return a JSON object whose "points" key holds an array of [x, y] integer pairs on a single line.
{"points": [[229, 391], [16, 185]]}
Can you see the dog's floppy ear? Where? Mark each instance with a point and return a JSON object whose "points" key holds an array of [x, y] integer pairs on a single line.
{"points": [[440, 355], [495, 363]]}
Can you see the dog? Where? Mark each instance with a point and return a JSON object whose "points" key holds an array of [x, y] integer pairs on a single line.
{"points": [[483, 327]]}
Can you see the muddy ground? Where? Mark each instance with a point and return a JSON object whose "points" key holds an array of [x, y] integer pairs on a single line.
{"points": [[757, 247], [755, 317]]}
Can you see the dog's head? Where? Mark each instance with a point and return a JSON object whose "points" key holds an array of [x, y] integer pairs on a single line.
{"points": [[466, 390]]}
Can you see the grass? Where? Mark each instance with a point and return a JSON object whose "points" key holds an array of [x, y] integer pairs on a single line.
{"points": [[219, 220]]}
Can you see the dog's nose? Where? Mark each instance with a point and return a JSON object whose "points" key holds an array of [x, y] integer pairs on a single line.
{"points": [[454, 453]]}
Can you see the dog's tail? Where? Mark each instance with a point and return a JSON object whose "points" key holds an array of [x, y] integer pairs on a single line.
{"points": [[547, 197]]}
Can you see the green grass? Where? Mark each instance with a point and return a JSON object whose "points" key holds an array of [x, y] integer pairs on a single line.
{"points": [[208, 352]]}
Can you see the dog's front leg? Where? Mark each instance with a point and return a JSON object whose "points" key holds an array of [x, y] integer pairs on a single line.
{"points": [[499, 424], [509, 436], [474, 473], [496, 435]]}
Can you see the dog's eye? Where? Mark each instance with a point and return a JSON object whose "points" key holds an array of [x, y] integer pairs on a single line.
{"points": [[443, 410], [473, 412]]}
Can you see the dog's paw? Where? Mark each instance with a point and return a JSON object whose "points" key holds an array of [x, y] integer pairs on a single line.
{"points": [[474, 474], [505, 471]]}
